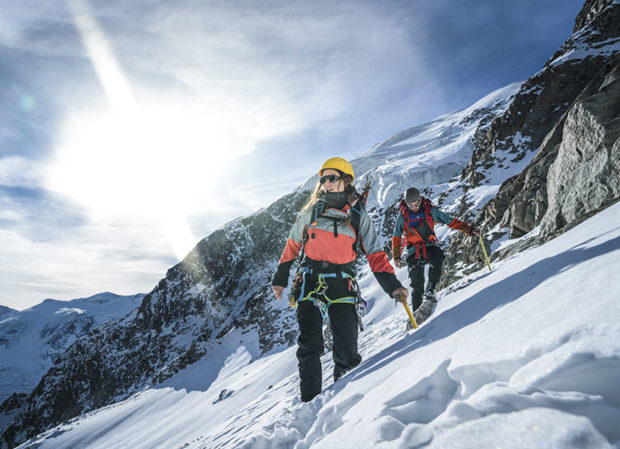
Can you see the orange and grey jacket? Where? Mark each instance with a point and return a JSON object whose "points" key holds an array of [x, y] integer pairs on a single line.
{"points": [[419, 228], [330, 244]]}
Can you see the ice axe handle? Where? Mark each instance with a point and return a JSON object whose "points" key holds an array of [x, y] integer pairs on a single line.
{"points": [[484, 251], [408, 310]]}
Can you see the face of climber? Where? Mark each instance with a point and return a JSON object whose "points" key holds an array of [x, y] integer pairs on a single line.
{"points": [[331, 181], [415, 206]]}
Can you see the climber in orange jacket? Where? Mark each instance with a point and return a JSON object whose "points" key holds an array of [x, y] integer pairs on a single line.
{"points": [[330, 232]]}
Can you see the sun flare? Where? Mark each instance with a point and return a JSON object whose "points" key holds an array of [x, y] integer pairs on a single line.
{"points": [[160, 165], [154, 163]]}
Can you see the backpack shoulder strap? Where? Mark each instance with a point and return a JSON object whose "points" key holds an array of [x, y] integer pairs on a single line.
{"points": [[427, 208], [355, 215], [427, 203], [317, 211]]}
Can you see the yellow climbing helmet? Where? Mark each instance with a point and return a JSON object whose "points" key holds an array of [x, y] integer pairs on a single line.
{"points": [[340, 164]]}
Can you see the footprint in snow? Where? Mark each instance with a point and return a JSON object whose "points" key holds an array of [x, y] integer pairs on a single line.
{"points": [[425, 400], [328, 420], [406, 414]]}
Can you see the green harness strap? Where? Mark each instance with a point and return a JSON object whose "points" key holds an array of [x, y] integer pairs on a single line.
{"points": [[319, 297]]}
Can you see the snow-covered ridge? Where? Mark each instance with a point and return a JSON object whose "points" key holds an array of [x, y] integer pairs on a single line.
{"points": [[493, 367], [444, 127], [581, 50]]}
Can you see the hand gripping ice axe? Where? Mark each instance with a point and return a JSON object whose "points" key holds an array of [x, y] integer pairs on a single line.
{"points": [[408, 310], [484, 251]]}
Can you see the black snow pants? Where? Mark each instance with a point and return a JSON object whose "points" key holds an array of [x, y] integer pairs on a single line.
{"points": [[435, 258], [344, 327]]}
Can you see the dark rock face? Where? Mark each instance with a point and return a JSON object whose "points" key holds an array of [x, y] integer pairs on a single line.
{"points": [[11, 407], [523, 197], [590, 10], [223, 284], [523, 200], [13, 402]]}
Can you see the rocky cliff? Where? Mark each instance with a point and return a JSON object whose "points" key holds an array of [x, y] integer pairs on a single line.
{"points": [[565, 117]]}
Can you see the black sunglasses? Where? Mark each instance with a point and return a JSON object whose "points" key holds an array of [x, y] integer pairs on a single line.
{"points": [[330, 178], [415, 203]]}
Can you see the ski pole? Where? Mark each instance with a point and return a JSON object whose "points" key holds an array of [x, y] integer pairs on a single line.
{"points": [[484, 251], [411, 318]]}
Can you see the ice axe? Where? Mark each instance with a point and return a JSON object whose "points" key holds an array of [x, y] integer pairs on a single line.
{"points": [[484, 251], [408, 310]]}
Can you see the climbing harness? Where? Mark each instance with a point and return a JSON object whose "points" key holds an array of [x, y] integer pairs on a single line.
{"points": [[306, 277], [312, 279]]}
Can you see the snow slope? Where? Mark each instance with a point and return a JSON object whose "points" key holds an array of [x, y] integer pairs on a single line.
{"points": [[525, 356]]}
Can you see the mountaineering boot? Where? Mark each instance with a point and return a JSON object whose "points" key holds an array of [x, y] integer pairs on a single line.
{"points": [[425, 310], [430, 296], [429, 293]]}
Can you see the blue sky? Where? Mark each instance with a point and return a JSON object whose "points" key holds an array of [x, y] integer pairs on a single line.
{"points": [[130, 130]]}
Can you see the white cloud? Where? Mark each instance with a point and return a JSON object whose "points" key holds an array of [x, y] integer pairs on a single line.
{"points": [[296, 63], [249, 73], [50, 249], [90, 260]]}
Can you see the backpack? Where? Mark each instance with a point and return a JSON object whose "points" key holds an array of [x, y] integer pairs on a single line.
{"points": [[355, 213], [431, 238], [358, 204]]}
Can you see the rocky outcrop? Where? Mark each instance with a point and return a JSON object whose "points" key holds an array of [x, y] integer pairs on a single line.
{"points": [[585, 175], [590, 10], [523, 200]]}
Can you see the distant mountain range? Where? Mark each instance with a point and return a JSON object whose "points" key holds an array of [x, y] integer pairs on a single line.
{"points": [[31, 340]]}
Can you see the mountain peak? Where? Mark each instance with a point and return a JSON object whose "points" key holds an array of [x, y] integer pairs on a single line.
{"points": [[590, 9]]}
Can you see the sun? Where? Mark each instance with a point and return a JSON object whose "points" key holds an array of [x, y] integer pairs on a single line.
{"points": [[159, 164]]}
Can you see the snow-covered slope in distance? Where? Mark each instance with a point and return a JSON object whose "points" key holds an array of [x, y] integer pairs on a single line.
{"points": [[6, 311], [428, 154], [31, 339], [525, 356]]}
